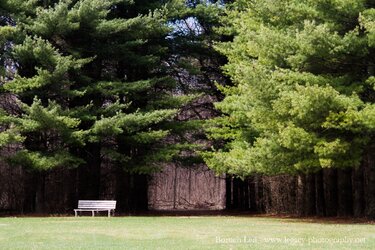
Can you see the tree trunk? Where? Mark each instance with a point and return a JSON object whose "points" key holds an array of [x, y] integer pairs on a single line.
{"points": [[330, 191], [370, 181], [40, 192], [358, 191], [246, 194], [241, 194], [175, 183], [319, 193], [259, 197], [72, 201], [89, 174], [344, 186], [309, 195], [253, 194], [293, 195], [301, 179], [122, 190], [29, 191], [235, 193], [266, 195], [139, 192]]}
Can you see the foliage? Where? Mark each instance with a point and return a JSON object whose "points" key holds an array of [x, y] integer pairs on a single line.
{"points": [[89, 75], [304, 96]]}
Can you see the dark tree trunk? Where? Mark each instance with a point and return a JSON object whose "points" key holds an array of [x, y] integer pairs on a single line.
{"points": [[72, 201], [89, 174], [358, 191], [139, 194], [300, 200], [266, 195], [122, 190], [246, 194], [253, 197], [309, 195], [235, 193], [344, 188], [370, 181], [293, 195], [319, 193], [238, 193], [175, 183], [259, 198], [29, 192], [330, 191], [131, 192], [241, 194], [40, 192]]}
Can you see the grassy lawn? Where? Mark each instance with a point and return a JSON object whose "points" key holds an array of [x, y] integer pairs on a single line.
{"points": [[211, 232]]}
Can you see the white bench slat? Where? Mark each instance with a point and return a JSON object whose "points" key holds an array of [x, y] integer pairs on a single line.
{"points": [[107, 203], [98, 204], [112, 207], [101, 202], [95, 206], [97, 201]]}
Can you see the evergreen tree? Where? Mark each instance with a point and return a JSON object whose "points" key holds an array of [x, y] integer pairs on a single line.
{"points": [[91, 85], [100, 83], [304, 94], [195, 65]]}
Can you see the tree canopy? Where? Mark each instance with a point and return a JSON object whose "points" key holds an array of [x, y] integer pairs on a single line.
{"points": [[92, 81], [303, 95]]}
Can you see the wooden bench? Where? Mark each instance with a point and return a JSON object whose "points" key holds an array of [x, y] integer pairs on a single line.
{"points": [[95, 206]]}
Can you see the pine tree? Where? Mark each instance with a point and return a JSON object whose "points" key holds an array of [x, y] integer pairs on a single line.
{"points": [[196, 66], [91, 85], [304, 93]]}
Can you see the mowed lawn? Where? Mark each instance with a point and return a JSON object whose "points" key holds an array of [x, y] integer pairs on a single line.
{"points": [[207, 232]]}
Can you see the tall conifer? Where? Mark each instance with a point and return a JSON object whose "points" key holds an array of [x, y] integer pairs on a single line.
{"points": [[91, 84], [304, 97]]}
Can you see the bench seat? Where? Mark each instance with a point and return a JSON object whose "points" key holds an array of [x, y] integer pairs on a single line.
{"points": [[96, 206]]}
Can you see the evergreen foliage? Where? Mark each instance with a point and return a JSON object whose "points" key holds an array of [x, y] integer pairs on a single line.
{"points": [[92, 82], [304, 96]]}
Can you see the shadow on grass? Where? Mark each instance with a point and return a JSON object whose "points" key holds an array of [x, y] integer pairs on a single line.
{"points": [[213, 213]]}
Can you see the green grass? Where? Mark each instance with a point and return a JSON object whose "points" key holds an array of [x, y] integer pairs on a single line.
{"points": [[211, 232]]}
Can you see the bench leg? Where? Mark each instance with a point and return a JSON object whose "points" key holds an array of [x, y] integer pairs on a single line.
{"points": [[93, 213], [109, 213], [75, 213]]}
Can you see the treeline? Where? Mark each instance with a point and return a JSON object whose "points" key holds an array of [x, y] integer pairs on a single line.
{"points": [[105, 92], [328, 192], [303, 100], [97, 95]]}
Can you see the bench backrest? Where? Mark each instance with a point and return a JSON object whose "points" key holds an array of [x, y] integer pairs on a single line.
{"points": [[87, 204]]}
